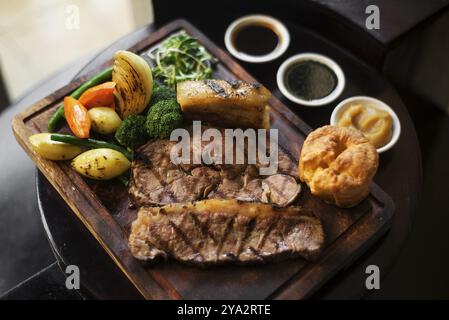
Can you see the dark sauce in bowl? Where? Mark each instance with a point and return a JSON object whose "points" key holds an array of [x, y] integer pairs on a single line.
{"points": [[310, 80], [255, 39]]}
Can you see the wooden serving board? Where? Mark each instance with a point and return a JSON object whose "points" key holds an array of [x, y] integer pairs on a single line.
{"points": [[103, 208]]}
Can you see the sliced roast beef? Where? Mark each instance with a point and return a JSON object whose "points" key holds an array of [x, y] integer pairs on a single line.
{"points": [[217, 231], [157, 181]]}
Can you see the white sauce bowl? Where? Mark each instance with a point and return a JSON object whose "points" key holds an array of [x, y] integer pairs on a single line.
{"points": [[331, 64], [258, 19], [376, 103]]}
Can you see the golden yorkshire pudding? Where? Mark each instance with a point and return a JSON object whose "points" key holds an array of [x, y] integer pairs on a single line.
{"points": [[338, 165]]}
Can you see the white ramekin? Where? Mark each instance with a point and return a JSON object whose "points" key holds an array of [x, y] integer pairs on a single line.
{"points": [[377, 103], [331, 64], [255, 19]]}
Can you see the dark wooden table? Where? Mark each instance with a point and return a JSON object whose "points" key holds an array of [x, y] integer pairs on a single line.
{"points": [[399, 175]]}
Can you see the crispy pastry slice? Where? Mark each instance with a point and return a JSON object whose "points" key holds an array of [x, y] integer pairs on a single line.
{"points": [[234, 104], [217, 231]]}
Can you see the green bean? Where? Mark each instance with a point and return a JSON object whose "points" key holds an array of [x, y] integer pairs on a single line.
{"points": [[124, 178], [90, 143], [99, 78]]}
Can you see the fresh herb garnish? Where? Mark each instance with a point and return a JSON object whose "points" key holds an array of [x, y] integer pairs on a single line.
{"points": [[180, 57]]}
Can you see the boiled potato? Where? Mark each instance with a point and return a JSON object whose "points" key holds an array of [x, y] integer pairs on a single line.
{"points": [[53, 150], [101, 164], [104, 120]]}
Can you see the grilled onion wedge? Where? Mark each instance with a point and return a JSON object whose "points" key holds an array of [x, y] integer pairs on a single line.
{"points": [[134, 83]]}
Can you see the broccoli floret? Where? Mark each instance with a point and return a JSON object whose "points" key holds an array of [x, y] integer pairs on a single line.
{"points": [[163, 118], [161, 92], [132, 132]]}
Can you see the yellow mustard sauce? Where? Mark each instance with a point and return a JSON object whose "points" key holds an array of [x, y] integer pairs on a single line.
{"points": [[374, 123]]}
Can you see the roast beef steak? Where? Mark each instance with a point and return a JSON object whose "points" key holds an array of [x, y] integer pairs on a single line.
{"points": [[218, 231], [217, 213], [156, 180]]}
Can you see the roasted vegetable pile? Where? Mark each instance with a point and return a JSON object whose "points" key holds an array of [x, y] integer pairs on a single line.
{"points": [[124, 113]]}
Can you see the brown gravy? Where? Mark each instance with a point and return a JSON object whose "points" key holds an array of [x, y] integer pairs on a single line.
{"points": [[255, 39]]}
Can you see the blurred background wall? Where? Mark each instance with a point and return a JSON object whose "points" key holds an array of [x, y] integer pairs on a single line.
{"points": [[32, 31]]}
